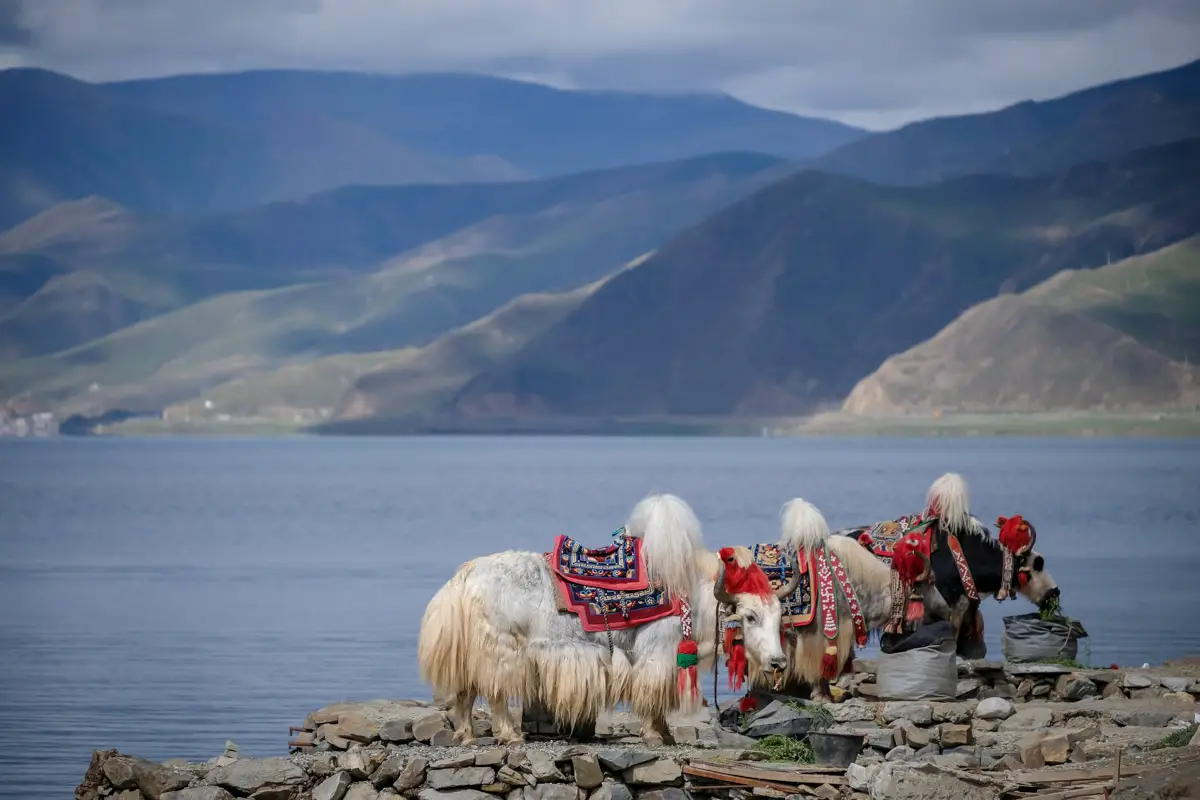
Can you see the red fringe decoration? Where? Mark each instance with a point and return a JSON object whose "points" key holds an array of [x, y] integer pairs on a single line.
{"points": [[748, 703], [736, 666], [829, 663], [907, 560], [1014, 534], [687, 682]]}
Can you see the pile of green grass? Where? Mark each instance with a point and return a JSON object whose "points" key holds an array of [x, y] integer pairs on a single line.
{"points": [[785, 748], [1180, 738], [821, 716]]}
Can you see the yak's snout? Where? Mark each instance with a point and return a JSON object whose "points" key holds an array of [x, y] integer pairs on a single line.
{"points": [[775, 664]]}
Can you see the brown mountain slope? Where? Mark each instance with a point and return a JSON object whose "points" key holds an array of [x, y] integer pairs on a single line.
{"points": [[782, 302], [1122, 337]]}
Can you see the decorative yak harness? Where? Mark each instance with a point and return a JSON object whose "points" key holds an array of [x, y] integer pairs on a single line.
{"points": [[818, 576], [596, 584], [892, 542], [906, 545]]}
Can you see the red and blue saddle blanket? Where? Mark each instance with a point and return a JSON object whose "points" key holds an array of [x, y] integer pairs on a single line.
{"points": [[881, 537], [608, 588], [800, 607]]}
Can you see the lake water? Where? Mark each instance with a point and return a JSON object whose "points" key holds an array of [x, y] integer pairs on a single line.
{"points": [[160, 596]]}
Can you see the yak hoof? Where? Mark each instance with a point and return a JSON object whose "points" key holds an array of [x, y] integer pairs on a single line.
{"points": [[465, 739], [511, 738]]}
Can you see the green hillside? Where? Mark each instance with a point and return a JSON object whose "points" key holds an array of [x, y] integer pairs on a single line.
{"points": [[1032, 138], [386, 384], [474, 246], [1122, 337], [782, 302], [552, 238]]}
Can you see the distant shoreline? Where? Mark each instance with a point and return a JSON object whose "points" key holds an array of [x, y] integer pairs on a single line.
{"points": [[999, 425]]}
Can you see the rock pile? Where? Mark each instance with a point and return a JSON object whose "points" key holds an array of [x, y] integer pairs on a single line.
{"points": [[1051, 682], [404, 748], [377, 772]]}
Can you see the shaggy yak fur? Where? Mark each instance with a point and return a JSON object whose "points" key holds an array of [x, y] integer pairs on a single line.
{"points": [[949, 501], [804, 530], [495, 630]]}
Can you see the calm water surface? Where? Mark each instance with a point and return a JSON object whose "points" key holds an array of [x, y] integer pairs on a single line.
{"points": [[161, 596]]}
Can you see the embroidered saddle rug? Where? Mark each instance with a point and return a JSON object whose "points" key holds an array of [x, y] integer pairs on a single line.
{"points": [[800, 607], [608, 588], [881, 537]]}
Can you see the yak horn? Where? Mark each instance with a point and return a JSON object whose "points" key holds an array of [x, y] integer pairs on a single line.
{"points": [[719, 587], [786, 590], [928, 564], [1032, 538]]}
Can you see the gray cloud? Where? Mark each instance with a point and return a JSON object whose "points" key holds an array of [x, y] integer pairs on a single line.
{"points": [[877, 63]]}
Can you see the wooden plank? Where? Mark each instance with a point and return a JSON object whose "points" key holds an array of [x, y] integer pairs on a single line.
{"points": [[1078, 793], [791, 769], [792, 778], [1045, 776]]}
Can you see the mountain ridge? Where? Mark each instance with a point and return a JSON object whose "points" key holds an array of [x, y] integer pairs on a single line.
{"points": [[218, 143], [921, 255], [1031, 138]]}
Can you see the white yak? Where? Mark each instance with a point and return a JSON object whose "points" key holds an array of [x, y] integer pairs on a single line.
{"points": [[495, 630], [804, 530]]}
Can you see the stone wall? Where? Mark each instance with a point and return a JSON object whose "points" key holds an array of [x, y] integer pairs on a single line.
{"points": [[404, 748], [377, 772]]}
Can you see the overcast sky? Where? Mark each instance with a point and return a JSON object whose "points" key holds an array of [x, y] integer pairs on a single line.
{"points": [[875, 63]]}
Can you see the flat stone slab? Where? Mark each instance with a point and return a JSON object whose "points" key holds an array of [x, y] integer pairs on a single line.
{"points": [[1037, 669]]}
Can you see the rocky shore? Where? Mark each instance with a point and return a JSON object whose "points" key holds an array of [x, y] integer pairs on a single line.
{"points": [[1016, 731]]}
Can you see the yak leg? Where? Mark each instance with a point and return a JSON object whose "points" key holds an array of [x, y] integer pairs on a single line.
{"points": [[656, 731], [464, 733], [821, 693], [503, 727]]}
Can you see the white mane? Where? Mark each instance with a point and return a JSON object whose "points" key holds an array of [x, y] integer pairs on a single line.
{"points": [[803, 526], [949, 495], [671, 536]]}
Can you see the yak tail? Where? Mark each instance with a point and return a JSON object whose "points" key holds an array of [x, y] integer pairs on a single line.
{"points": [[803, 527], [671, 537], [948, 498], [444, 647]]}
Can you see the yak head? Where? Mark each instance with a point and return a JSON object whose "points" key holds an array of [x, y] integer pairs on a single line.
{"points": [[743, 586], [1032, 579]]}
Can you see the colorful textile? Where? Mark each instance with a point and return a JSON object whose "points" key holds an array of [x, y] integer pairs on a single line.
{"points": [[608, 588], [964, 569], [618, 567], [623, 610], [881, 537], [799, 608]]}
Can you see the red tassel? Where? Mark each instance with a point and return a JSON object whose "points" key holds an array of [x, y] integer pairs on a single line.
{"points": [[829, 663], [748, 703], [735, 665], [688, 685]]}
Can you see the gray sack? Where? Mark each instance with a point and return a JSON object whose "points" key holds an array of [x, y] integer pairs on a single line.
{"points": [[1028, 638], [923, 673]]}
